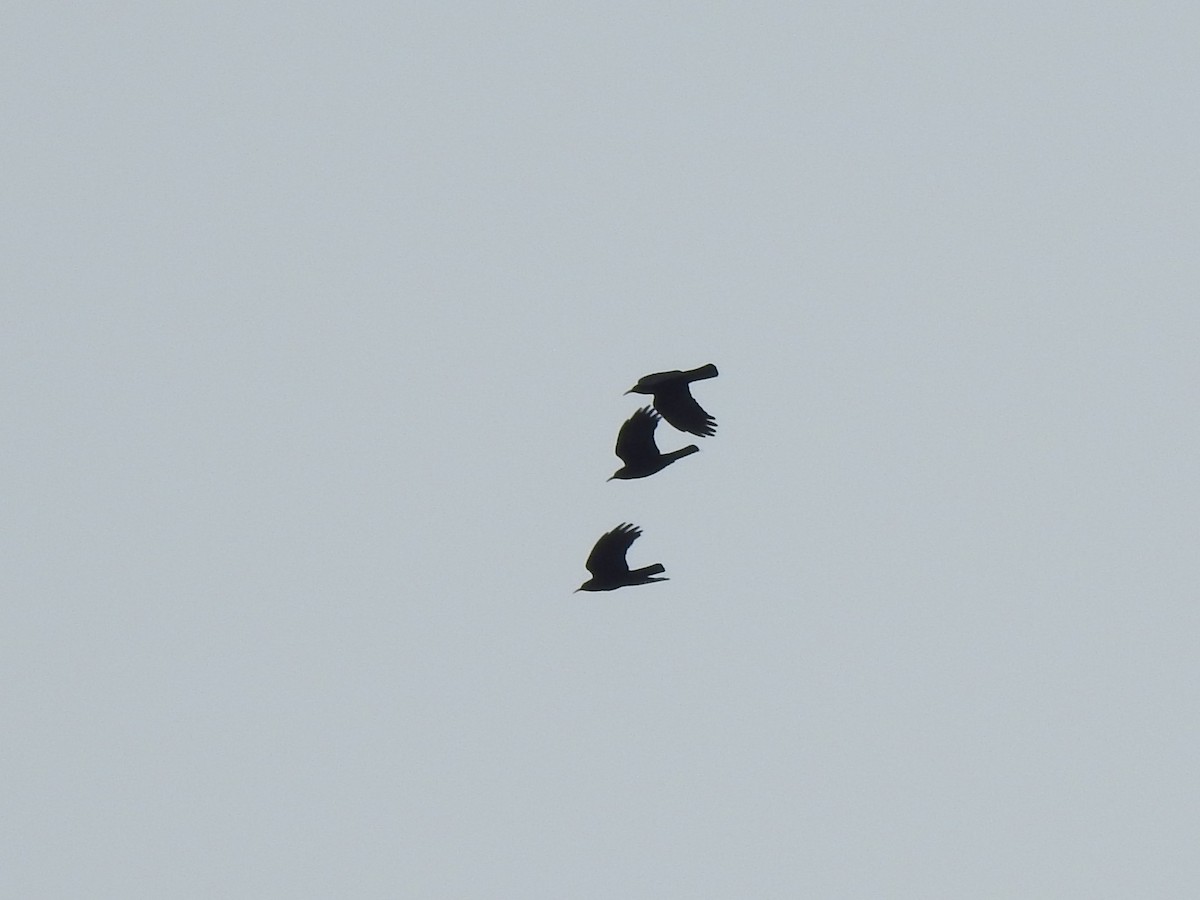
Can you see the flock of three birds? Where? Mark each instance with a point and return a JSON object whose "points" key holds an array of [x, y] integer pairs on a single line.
{"points": [[673, 401]]}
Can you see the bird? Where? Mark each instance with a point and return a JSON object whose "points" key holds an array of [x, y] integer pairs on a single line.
{"points": [[607, 562], [639, 452], [673, 398]]}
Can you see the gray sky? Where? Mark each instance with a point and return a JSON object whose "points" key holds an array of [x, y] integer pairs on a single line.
{"points": [[316, 323]]}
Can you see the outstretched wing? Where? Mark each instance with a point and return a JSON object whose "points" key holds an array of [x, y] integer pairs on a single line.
{"points": [[607, 559], [679, 407], [635, 440]]}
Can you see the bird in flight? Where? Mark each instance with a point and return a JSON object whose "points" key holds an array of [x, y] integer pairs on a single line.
{"points": [[608, 566], [639, 452], [673, 398]]}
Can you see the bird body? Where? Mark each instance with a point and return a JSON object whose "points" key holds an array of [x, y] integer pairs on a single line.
{"points": [[608, 566], [674, 401], [639, 452]]}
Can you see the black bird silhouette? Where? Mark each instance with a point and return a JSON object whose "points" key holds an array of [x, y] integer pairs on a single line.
{"points": [[608, 566], [673, 398], [636, 447]]}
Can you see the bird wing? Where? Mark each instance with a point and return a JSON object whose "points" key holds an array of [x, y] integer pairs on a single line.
{"points": [[635, 440], [679, 407], [608, 556]]}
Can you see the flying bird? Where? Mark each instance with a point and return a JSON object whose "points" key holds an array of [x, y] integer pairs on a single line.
{"points": [[673, 398], [608, 566], [639, 452]]}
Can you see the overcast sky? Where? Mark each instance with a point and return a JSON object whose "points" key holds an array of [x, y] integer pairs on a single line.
{"points": [[317, 320]]}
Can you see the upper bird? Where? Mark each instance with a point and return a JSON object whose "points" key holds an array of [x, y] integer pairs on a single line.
{"points": [[608, 566], [673, 398], [639, 452]]}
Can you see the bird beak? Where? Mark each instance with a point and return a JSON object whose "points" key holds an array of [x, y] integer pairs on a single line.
{"points": [[610, 477], [577, 590], [630, 391]]}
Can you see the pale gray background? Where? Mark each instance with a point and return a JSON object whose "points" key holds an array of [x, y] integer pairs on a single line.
{"points": [[316, 323]]}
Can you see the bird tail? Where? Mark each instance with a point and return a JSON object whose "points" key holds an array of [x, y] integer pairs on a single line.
{"points": [[643, 575], [681, 453], [709, 371]]}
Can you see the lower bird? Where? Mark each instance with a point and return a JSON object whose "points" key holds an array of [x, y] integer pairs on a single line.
{"points": [[608, 566], [674, 401], [639, 452]]}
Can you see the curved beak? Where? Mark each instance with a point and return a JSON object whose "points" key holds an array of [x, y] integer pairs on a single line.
{"points": [[610, 477]]}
